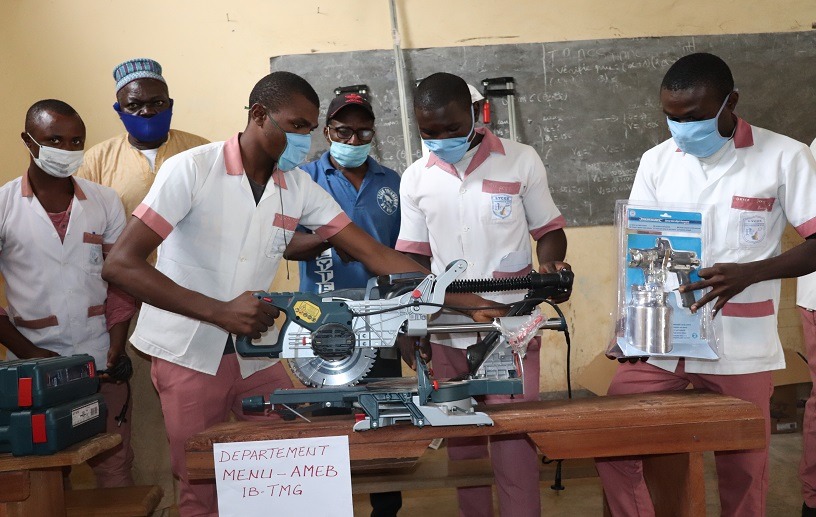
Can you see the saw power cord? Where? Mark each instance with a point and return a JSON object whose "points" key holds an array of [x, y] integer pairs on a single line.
{"points": [[557, 485]]}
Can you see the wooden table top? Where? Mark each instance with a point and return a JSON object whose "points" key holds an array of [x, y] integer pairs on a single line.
{"points": [[73, 455], [651, 423]]}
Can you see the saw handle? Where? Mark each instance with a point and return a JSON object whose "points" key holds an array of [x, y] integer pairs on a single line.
{"points": [[544, 285], [243, 344], [308, 310]]}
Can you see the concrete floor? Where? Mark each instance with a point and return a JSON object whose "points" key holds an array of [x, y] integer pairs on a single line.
{"points": [[582, 497]]}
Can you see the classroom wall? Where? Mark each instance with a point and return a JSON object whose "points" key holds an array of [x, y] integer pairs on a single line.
{"points": [[213, 51]]}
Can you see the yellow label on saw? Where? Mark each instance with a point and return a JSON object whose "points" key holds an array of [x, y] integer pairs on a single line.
{"points": [[307, 311]]}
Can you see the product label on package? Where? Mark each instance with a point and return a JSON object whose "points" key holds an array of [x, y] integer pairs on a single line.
{"points": [[84, 414]]}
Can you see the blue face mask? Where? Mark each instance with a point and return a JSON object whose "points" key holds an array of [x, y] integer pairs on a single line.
{"points": [[700, 138], [451, 150], [349, 156], [146, 129], [296, 150]]}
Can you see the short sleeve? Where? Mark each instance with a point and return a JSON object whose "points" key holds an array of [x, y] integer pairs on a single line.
{"points": [[171, 195], [539, 208], [413, 233], [797, 195], [116, 219], [321, 213], [643, 189]]}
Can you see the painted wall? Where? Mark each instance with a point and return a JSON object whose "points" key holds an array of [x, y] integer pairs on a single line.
{"points": [[213, 51]]}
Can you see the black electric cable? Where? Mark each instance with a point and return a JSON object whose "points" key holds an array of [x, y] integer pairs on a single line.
{"points": [[569, 345], [557, 485], [120, 418]]}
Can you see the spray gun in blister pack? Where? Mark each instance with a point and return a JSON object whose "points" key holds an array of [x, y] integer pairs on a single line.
{"points": [[648, 316]]}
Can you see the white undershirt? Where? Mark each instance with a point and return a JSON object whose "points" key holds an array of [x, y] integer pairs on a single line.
{"points": [[150, 154]]}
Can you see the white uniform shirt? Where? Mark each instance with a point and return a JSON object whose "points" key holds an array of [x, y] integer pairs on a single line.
{"points": [[806, 285], [55, 289], [219, 243], [485, 213], [762, 181]]}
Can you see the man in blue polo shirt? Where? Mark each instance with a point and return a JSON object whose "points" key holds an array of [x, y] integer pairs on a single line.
{"points": [[369, 194]]}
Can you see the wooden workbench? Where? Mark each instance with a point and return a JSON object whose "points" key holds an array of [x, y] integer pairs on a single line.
{"points": [[672, 429], [31, 486]]}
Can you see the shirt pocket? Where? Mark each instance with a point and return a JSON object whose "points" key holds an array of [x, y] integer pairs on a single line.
{"points": [[283, 227], [748, 222], [750, 324], [500, 202], [92, 253], [277, 242]]}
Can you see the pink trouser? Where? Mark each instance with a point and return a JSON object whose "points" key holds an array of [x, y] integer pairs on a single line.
{"points": [[193, 401], [742, 475], [114, 467], [807, 468], [514, 458]]}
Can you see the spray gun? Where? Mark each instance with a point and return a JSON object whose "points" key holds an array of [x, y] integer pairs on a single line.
{"points": [[648, 316], [662, 259]]}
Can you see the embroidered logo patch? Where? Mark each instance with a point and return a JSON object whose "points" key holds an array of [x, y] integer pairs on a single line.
{"points": [[753, 228], [388, 200], [501, 205]]}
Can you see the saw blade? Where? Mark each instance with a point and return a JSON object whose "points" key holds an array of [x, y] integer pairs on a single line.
{"points": [[316, 371]]}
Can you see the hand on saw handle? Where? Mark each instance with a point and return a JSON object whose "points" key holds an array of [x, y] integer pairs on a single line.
{"points": [[247, 315], [554, 267]]}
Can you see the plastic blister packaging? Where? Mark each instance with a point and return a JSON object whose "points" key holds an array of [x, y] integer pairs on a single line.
{"points": [[661, 248]]}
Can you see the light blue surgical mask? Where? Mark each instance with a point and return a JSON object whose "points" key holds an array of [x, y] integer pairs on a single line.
{"points": [[349, 156], [296, 150], [451, 150], [699, 138]]}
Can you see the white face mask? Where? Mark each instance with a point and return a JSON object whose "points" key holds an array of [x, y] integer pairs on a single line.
{"points": [[56, 162]]}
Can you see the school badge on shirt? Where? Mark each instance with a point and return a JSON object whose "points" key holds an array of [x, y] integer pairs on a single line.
{"points": [[752, 229], [388, 200], [502, 206]]}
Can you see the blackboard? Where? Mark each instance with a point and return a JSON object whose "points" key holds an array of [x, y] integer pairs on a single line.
{"points": [[590, 108]]}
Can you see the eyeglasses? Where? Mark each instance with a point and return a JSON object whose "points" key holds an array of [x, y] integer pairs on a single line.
{"points": [[345, 133]]}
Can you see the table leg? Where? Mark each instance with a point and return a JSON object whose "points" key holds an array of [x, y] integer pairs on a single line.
{"points": [[47, 498], [676, 483]]}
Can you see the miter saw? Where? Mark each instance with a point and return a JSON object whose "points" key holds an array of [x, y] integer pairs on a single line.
{"points": [[330, 341]]}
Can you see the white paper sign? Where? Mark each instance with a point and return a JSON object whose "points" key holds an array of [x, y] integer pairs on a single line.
{"points": [[284, 478]]}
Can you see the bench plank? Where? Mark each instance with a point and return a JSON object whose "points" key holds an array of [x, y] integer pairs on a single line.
{"points": [[642, 424]]}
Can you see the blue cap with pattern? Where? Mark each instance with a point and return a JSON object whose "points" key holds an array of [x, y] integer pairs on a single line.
{"points": [[140, 68]]}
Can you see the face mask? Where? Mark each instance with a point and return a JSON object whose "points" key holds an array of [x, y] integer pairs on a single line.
{"points": [[146, 129], [56, 162], [347, 155], [701, 138], [296, 150], [451, 150]]}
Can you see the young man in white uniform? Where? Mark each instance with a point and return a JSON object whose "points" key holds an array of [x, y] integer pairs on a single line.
{"points": [[223, 214], [54, 233], [480, 197], [756, 181], [806, 300]]}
